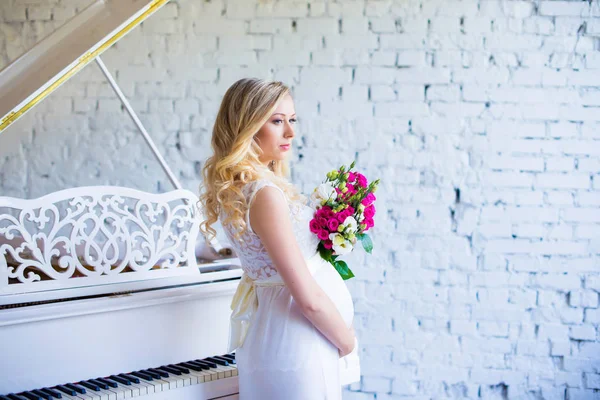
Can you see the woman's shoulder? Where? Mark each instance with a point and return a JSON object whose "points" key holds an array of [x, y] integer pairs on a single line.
{"points": [[252, 187]]}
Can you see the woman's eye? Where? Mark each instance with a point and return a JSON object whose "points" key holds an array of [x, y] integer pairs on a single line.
{"points": [[276, 121], [293, 120]]}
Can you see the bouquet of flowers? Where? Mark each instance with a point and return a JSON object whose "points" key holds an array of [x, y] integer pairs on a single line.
{"points": [[345, 208]]}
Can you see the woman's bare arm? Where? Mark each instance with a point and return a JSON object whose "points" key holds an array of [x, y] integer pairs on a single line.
{"points": [[269, 218]]}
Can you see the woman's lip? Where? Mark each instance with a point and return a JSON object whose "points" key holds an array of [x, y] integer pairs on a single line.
{"points": [[285, 146]]}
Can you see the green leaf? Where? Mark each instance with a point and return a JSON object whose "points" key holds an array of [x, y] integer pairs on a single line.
{"points": [[342, 269], [325, 253], [366, 242]]}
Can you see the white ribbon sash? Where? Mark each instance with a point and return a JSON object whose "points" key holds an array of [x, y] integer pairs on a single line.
{"points": [[245, 303]]}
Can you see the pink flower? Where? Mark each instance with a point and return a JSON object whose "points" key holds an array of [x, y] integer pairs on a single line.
{"points": [[314, 226], [333, 224], [341, 216], [370, 211], [328, 244], [322, 222], [323, 234], [369, 198], [362, 181], [351, 176]]}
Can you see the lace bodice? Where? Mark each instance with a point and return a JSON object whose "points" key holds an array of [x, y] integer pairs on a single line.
{"points": [[253, 256]]}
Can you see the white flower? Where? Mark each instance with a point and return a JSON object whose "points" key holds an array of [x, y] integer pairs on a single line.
{"points": [[350, 224], [323, 192], [340, 245]]}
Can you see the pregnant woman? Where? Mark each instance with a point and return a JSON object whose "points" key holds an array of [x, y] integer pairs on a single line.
{"points": [[292, 312]]}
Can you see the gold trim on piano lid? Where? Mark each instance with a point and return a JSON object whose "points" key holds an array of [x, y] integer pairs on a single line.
{"points": [[83, 61]]}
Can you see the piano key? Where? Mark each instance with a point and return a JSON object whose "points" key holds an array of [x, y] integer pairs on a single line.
{"points": [[197, 364], [66, 390], [118, 379], [142, 375], [217, 361], [132, 379], [51, 392], [13, 396], [211, 364], [96, 382], [42, 394], [30, 396], [111, 384], [229, 357], [76, 388], [145, 388], [226, 361], [90, 386], [183, 370], [193, 367], [170, 370], [163, 374]]}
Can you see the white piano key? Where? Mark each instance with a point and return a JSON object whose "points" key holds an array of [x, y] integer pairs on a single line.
{"points": [[200, 376], [87, 395], [186, 379], [118, 392], [159, 385], [220, 372], [145, 387], [136, 390], [105, 395], [172, 381]]}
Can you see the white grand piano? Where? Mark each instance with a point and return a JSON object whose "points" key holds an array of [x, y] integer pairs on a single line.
{"points": [[109, 292]]}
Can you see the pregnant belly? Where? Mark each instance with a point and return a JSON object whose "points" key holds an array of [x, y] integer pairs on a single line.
{"points": [[332, 283]]}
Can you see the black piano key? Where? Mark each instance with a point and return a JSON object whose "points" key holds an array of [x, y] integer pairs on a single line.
{"points": [[229, 357], [191, 366], [218, 361], [90, 386], [130, 378], [119, 379], [142, 375], [30, 396], [153, 374], [13, 396], [76, 388], [107, 382], [169, 370], [197, 364], [96, 382], [226, 361], [42, 394], [53, 393], [210, 364], [183, 370], [66, 390], [163, 374]]}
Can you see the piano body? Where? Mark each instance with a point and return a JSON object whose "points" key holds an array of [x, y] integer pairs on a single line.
{"points": [[106, 292]]}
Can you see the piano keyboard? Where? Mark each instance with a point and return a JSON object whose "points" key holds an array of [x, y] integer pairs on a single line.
{"points": [[209, 378]]}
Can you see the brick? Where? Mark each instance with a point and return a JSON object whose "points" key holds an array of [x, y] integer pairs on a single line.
{"points": [[583, 332], [566, 8]]}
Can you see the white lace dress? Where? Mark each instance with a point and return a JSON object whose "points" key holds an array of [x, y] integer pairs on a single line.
{"points": [[284, 356]]}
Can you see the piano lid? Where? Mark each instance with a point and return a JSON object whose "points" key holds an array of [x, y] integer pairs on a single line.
{"points": [[52, 61]]}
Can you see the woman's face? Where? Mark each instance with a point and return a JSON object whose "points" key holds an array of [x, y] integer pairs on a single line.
{"points": [[275, 136]]}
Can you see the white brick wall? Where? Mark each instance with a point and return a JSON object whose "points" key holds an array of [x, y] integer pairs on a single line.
{"points": [[482, 117]]}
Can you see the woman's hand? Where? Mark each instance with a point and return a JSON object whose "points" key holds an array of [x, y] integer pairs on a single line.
{"points": [[350, 347]]}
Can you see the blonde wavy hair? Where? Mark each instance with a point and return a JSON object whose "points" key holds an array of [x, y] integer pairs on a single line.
{"points": [[246, 106]]}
